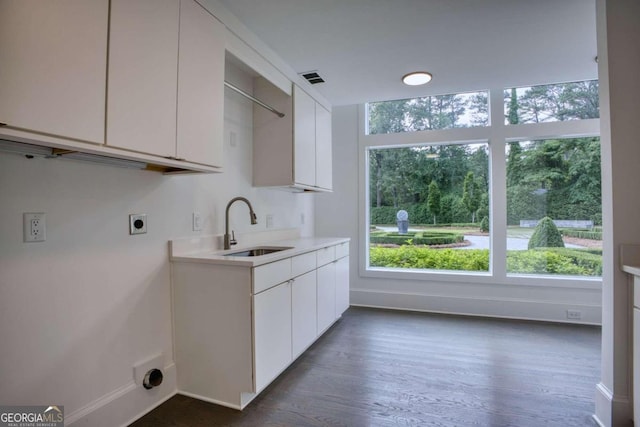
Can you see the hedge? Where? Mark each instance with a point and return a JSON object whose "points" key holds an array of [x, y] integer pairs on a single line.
{"points": [[566, 261], [443, 225], [582, 234], [415, 238], [425, 258]]}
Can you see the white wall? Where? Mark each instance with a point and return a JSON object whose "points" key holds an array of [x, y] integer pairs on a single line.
{"points": [[619, 68], [79, 310], [337, 215]]}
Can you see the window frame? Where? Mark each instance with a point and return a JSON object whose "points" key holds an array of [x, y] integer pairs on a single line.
{"points": [[497, 134]]}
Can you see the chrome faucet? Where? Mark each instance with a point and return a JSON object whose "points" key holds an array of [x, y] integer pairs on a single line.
{"points": [[231, 240]]}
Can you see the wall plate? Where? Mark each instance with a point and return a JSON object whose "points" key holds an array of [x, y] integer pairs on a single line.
{"points": [[138, 224], [34, 226], [141, 368]]}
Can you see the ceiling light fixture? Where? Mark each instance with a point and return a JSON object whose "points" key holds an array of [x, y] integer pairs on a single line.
{"points": [[416, 78]]}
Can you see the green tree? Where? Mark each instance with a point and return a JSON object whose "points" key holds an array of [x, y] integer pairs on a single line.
{"points": [[546, 235], [514, 164], [433, 201], [471, 195], [512, 108], [478, 109], [387, 117], [484, 224], [580, 100]]}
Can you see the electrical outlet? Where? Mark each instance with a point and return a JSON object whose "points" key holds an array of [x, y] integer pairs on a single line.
{"points": [[269, 221], [197, 221], [34, 226], [302, 218], [574, 314], [138, 224], [233, 139]]}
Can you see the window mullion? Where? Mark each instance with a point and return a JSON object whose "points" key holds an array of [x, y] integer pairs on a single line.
{"points": [[498, 186]]}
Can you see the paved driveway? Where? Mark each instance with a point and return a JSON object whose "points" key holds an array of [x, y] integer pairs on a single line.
{"points": [[513, 243]]}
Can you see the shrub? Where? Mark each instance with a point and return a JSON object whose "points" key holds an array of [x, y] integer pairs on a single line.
{"points": [[416, 238], [575, 262], [582, 234], [433, 259], [484, 224], [546, 235]]}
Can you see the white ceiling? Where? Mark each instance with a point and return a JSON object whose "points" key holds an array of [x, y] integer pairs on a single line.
{"points": [[363, 47]]}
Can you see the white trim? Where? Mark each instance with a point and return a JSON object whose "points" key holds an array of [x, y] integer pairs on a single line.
{"points": [[511, 308], [575, 282], [121, 406], [612, 410], [208, 399]]}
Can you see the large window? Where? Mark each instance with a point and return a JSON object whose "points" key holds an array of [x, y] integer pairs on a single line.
{"points": [[437, 204], [550, 103], [429, 207], [554, 207], [428, 113]]}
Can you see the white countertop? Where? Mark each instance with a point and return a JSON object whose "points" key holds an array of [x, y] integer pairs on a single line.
{"points": [[630, 259], [298, 246], [631, 269]]}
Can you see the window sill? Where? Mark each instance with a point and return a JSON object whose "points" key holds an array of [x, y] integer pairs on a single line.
{"points": [[573, 282]]}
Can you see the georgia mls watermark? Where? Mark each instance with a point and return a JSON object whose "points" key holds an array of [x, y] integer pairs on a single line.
{"points": [[32, 416]]}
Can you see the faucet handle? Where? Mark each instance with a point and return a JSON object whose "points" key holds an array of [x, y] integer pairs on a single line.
{"points": [[233, 240]]}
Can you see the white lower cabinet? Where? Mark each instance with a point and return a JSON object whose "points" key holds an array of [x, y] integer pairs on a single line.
{"points": [[303, 312], [272, 333], [326, 296], [237, 327], [342, 285], [636, 349]]}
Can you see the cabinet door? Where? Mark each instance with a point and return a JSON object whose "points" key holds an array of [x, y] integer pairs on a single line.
{"points": [[303, 312], [143, 76], [324, 171], [342, 286], [272, 333], [53, 64], [304, 137], [326, 296], [200, 85]]}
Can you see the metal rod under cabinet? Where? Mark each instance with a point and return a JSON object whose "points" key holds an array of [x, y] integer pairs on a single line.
{"points": [[252, 98]]}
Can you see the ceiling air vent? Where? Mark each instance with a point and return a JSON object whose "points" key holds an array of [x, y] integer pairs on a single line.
{"points": [[312, 77]]}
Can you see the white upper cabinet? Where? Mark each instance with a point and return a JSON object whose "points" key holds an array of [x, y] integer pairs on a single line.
{"points": [[304, 138], [143, 74], [293, 151], [166, 71], [200, 85], [53, 62], [324, 169]]}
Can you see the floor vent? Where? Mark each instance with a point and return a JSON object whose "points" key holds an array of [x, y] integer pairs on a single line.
{"points": [[312, 77]]}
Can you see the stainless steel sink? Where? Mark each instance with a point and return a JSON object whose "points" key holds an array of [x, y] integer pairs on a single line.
{"points": [[259, 251]]}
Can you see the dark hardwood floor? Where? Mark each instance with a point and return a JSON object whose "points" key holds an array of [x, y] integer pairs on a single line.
{"points": [[393, 368]]}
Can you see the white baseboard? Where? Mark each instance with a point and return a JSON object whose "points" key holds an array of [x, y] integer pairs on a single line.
{"points": [[612, 411], [502, 308], [123, 406], [208, 399]]}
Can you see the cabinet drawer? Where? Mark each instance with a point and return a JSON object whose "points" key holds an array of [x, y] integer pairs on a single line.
{"points": [[303, 263], [342, 250], [269, 275], [326, 255]]}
